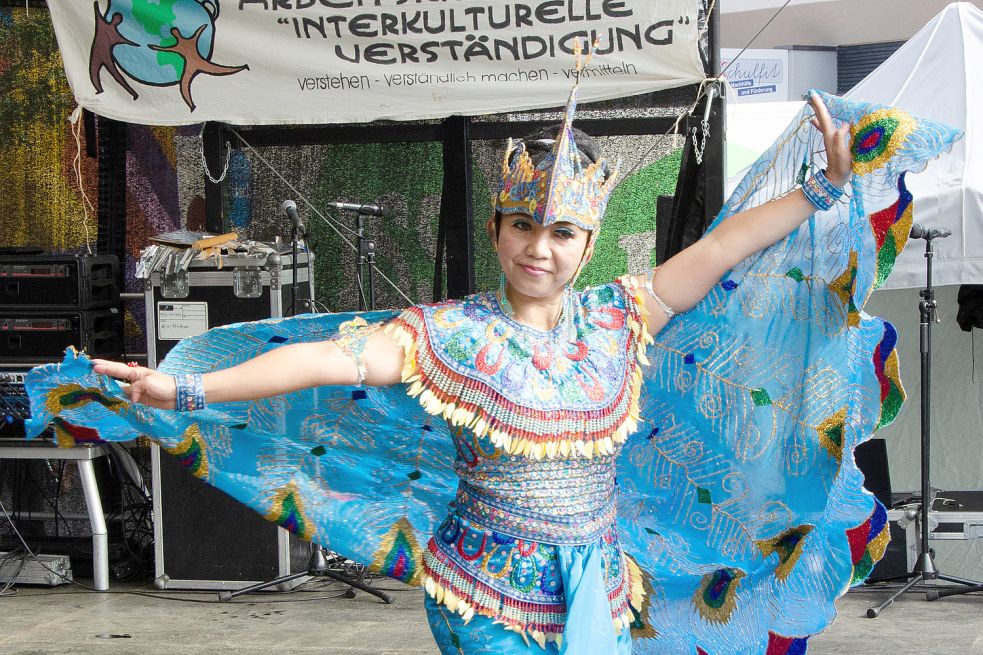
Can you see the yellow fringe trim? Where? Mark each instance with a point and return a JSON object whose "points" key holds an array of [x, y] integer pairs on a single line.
{"points": [[466, 610], [451, 601], [448, 599], [480, 422], [637, 580]]}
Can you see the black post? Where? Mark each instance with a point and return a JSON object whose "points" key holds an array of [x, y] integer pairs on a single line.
{"points": [[700, 184], [91, 137], [213, 145], [456, 211], [111, 138], [714, 157]]}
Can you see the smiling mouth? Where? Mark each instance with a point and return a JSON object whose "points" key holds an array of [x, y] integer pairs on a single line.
{"points": [[533, 270]]}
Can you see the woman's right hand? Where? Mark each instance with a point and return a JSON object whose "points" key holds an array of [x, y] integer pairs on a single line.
{"points": [[145, 386]]}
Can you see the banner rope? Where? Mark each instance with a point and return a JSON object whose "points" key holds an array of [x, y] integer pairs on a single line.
{"points": [[76, 127]]}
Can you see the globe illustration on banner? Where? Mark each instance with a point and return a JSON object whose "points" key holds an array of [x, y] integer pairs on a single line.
{"points": [[148, 23], [156, 42]]}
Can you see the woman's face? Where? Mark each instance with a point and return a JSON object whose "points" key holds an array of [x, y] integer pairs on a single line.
{"points": [[539, 261]]}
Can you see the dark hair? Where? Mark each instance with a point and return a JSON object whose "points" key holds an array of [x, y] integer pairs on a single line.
{"points": [[540, 143]]}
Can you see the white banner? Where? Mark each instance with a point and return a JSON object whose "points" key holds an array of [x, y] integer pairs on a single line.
{"points": [[174, 62]]}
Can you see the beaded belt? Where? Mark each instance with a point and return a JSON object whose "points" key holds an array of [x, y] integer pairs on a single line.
{"points": [[523, 523], [553, 501]]}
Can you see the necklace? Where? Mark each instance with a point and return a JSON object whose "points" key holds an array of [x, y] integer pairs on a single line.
{"points": [[569, 306]]}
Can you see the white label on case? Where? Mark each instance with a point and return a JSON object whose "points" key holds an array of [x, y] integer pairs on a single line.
{"points": [[177, 320]]}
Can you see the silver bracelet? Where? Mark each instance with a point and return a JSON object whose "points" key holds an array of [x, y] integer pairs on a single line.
{"points": [[351, 339], [658, 301]]}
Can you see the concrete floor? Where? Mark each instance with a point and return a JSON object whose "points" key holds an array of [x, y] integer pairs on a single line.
{"points": [[65, 620]]}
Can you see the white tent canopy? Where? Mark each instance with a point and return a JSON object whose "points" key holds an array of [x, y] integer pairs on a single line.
{"points": [[936, 75]]}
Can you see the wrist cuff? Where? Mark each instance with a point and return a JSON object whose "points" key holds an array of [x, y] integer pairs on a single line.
{"points": [[822, 193], [190, 393]]}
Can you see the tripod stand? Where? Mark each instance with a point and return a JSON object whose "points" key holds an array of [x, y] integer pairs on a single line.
{"points": [[317, 565], [925, 568]]}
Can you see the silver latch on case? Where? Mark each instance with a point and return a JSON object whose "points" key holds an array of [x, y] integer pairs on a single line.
{"points": [[246, 282], [175, 285]]}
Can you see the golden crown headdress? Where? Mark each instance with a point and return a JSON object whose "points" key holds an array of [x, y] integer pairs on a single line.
{"points": [[560, 187]]}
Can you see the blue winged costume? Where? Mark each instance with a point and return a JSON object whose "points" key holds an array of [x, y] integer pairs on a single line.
{"points": [[698, 491]]}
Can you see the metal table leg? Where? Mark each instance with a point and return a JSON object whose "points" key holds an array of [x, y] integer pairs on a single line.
{"points": [[100, 538]]}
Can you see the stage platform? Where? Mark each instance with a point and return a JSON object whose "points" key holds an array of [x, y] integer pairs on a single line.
{"points": [[64, 620]]}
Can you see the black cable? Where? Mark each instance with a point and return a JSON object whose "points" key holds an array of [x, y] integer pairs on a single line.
{"points": [[209, 601], [753, 38], [134, 512], [14, 555], [138, 526], [881, 587], [30, 552]]}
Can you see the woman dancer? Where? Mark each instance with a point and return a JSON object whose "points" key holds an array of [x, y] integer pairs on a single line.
{"points": [[728, 540]]}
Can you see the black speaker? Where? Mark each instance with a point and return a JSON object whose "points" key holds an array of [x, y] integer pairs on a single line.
{"points": [[206, 540], [871, 459], [56, 282], [42, 336]]}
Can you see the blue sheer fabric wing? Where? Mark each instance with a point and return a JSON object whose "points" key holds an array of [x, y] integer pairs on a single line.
{"points": [[740, 498], [365, 472]]}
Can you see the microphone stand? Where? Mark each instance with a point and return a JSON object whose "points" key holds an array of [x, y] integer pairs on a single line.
{"points": [[296, 235], [925, 568], [317, 565], [366, 259]]}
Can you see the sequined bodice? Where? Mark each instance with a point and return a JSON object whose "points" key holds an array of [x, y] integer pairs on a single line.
{"points": [[559, 394]]}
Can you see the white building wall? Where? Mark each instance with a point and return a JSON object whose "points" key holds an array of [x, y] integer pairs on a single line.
{"points": [[778, 74], [811, 69]]}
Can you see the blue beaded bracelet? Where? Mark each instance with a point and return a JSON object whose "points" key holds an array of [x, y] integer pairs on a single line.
{"points": [[190, 393], [822, 193], [830, 188]]}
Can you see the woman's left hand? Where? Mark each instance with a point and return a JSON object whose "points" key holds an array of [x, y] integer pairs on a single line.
{"points": [[839, 161]]}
